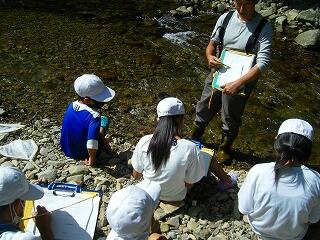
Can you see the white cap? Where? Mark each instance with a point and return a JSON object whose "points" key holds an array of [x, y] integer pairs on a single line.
{"points": [[14, 185], [297, 126], [130, 210], [90, 85], [169, 107]]}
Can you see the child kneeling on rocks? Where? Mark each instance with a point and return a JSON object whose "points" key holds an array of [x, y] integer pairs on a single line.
{"points": [[84, 129], [130, 212]]}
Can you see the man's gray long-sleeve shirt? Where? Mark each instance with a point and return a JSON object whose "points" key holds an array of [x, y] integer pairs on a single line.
{"points": [[237, 33]]}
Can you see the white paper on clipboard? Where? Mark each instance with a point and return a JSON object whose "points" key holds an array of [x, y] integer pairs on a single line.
{"points": [[235, 65], [205, 156], [77, 221]]}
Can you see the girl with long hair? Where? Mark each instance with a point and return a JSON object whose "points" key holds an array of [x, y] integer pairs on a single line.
{"points": [[165, 157], [282, 198]]}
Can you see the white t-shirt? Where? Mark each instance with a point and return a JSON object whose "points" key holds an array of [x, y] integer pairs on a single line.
{"points": [[18, 236], [182, 166], [282, 212]]}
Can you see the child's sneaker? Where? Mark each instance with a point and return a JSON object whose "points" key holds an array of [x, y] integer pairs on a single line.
{"points": [[224, 185]]}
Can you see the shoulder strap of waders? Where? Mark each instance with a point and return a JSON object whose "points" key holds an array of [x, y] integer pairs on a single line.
{"points": [[252, 40], [224, 25]]}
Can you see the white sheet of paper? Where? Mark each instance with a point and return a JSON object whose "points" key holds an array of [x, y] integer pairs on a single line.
{"points": [[74, 222], [205, 157], [239, 65], [231, 74]]}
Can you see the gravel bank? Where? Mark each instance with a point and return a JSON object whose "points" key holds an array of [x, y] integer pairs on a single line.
{"points": [[207, 213]]}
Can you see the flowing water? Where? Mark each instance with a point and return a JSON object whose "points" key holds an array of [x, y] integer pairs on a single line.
{"points": [[144, 55]]}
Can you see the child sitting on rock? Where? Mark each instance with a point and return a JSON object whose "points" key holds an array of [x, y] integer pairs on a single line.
{"points": [[83, 128], [130, 212], [168, 159]]}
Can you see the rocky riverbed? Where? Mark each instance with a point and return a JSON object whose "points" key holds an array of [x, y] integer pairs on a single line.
{"points": [[207, 213]]}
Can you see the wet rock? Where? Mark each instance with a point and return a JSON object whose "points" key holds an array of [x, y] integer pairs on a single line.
{"points": [[291, 14], [219, 237], [164, 227], [268, 11], [76, 179], [57, 164], [52, 156], [308, 15], [32, 174], [309, 39], [78, 169], [44, 151], [192, 225], [221, 7], [15, 162], [174, 221], [100, 180], [28, 167], [184, 11], [202, 234], [49, 174]]}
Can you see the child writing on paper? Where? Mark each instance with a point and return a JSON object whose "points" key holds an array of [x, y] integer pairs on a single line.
{"points": [[168, 159], [130, 212], [14, 190], [83, 128]]}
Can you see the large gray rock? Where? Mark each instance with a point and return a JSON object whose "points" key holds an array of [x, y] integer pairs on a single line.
{"points": [[174, 222], [221, 7], [184, 11], [291, 14], [48, 174], [78, 169], [268, 11], [75, 179], [308, 15], [309, 39]]}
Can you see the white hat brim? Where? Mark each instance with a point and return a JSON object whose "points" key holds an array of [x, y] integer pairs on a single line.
{"points": [[35, 192], [105, 96]]}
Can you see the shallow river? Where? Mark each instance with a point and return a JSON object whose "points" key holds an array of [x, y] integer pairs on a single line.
{"points": [[144, 55]]}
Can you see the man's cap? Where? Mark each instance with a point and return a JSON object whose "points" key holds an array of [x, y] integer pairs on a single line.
{"points": [[169, 107], [90, 85], [14, 185], [297, 126], [130, 210]]}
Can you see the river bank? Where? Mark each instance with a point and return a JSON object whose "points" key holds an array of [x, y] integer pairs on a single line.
{"points": [[207, 213]]}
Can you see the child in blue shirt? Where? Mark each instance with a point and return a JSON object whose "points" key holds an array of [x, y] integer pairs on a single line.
{"points": [[83, 128]]}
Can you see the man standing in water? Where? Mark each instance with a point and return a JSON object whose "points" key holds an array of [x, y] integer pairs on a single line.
{"points": [[244, 30]]}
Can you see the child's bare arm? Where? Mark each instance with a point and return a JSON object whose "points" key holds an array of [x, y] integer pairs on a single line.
{"points": [[91, 161]]}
